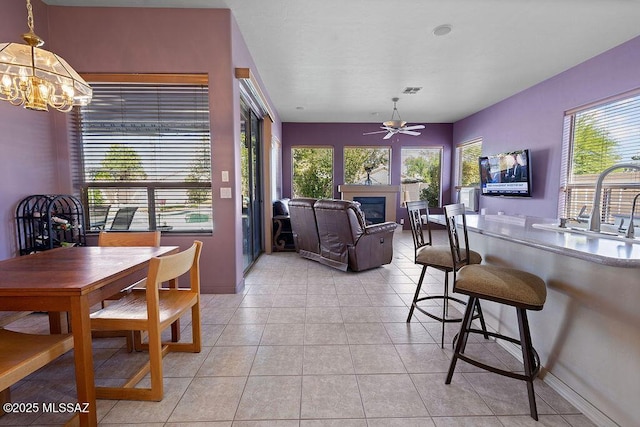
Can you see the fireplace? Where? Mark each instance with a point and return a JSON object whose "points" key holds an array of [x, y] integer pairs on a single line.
{"points": [[387, 193], [373, 208]]}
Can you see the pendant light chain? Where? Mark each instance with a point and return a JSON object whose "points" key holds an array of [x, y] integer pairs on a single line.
{"points": [[29, 16]]}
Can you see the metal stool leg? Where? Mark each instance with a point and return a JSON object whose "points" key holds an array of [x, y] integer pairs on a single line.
{"points": [[415, 297], [461, 343], [528, 359]]}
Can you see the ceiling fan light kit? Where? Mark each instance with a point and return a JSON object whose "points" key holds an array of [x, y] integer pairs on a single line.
{"points": [[396, 125]]}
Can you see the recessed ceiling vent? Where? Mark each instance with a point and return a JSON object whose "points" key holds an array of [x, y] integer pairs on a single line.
{"points": [[411, 90]]}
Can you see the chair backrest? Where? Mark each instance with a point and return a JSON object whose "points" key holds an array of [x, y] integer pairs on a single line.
{"points": [[416, 211], [457, 231], [303, 225], [123, 218], [170, 267], [130, 238], [98, 215]]}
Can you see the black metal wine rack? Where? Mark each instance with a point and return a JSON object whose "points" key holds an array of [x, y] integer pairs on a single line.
{"points": [[49, 221]]}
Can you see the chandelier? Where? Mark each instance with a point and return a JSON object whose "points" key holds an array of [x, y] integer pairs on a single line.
{"points": [[38, 79]]}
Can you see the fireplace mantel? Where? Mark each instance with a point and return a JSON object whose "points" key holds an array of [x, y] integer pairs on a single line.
{"points": [[389, 192]]}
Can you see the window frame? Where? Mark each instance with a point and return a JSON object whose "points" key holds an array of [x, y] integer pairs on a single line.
{"points": [[458, 161], [151, 187]]}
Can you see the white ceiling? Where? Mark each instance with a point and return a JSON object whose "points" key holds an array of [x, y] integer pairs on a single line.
{"points": [[343, 60]]}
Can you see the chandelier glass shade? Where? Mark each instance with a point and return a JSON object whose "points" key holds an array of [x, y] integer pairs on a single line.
{"points": [[38, 79]]}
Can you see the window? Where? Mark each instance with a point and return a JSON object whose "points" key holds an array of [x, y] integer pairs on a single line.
{"points": [[421, 174], [468, 172], [595, 139], [367, 165], [146, 156], [312, 172]]}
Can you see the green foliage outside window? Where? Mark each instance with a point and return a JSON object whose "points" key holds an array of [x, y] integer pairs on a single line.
{"points": [[424, 167], [470, 169], [594, 150], [358, 159], [312, 172]]}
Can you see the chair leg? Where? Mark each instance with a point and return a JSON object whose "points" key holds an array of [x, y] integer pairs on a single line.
{"points": [[528, 359], [462, 337], [481, 316], [415, 297], [445, 305], [155, 362]]}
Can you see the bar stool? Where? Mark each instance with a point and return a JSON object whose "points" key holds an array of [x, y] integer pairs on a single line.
{"points": [[508, 286], [438, 257]]}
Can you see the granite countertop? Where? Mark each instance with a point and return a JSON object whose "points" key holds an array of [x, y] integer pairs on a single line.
{"points": [[541, 233]]}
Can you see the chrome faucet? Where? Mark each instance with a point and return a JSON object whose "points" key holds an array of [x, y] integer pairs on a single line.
{"points": [[630, 233], [594, 220]]}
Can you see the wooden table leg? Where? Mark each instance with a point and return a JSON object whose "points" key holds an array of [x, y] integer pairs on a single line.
{"points": [[83, 354], [58, 322]]}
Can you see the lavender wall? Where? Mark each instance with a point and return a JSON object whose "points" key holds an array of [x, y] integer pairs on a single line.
{"points": [[339, 135], [534, 118], [27, 163], [137, 40]]}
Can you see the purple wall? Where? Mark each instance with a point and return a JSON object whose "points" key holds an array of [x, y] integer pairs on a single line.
{"points": [[27, 164], [534, 118], [130, 40], [339, 135]]}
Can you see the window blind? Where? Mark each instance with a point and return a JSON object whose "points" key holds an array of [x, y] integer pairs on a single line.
{"points": [[148, 145], [596, 138]]}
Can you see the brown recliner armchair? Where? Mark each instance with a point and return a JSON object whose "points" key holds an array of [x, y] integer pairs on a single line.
{"points": [[342, 239]]}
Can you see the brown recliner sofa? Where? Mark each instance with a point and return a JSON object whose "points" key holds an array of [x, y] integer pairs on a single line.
{"points": [[334, 233]]}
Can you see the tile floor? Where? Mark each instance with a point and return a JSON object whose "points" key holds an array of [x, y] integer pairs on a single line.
{"points": [[307, 345]]}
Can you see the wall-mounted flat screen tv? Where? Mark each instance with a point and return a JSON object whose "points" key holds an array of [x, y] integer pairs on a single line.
{"points": [[506, 174]]}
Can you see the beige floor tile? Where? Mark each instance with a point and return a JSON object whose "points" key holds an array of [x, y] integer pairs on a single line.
{"points": [[367, 333], [325, 333], [278, 360], [228, 361], [283, 334], [327, 359], [287, 315], [423, 358], [330, 396], [255, 315], [359, 315], [320, 300], [354, 300], [299, 301], [408, 333], [401, 422], [455, 399], [323, 315], [376, 359], [488, 421], [241, 335], [209, 399], [270, 398], [527, 421], [390, 395], [334, 423]]}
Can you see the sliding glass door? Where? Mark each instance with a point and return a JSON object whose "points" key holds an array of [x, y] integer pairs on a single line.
{"points": [[251, 141]]}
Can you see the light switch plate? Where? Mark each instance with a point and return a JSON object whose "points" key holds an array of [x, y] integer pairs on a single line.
{"points": [[225, 192], [225, 176]]}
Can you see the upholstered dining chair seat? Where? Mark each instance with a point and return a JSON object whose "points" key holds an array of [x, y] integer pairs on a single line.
{"points": [[503, 285], [440, 257]]}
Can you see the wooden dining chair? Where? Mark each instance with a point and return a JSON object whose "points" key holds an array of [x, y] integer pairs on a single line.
{"points": [[126, 238], [21, 354], [154, 309]]}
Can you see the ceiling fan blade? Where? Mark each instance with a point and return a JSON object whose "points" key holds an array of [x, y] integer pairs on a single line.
{"points": [[409, 132], [414, 127], [371, 133], [389, 135]]}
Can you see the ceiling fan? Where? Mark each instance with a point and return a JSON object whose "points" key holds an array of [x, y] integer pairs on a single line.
{"points": [[395, 126]]}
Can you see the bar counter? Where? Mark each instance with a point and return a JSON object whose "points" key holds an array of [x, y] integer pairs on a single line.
{"points": [[538, 233], [588, 334]]}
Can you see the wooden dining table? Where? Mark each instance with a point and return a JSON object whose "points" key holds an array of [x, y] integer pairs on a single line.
{"points": [[72, 280]]}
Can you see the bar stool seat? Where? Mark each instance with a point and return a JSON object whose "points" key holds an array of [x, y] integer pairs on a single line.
{"points": [[440, 256], [503, 285], [512, 287]]}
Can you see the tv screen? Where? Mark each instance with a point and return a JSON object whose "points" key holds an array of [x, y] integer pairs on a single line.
{"points": [[506, 174]]}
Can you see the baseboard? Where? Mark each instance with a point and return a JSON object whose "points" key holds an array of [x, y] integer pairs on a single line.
{"points": [[584, 406]]}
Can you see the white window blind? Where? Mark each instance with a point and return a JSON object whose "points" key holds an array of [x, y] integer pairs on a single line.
{"points": [[467, 166], [146, 148], [596, 138]]}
